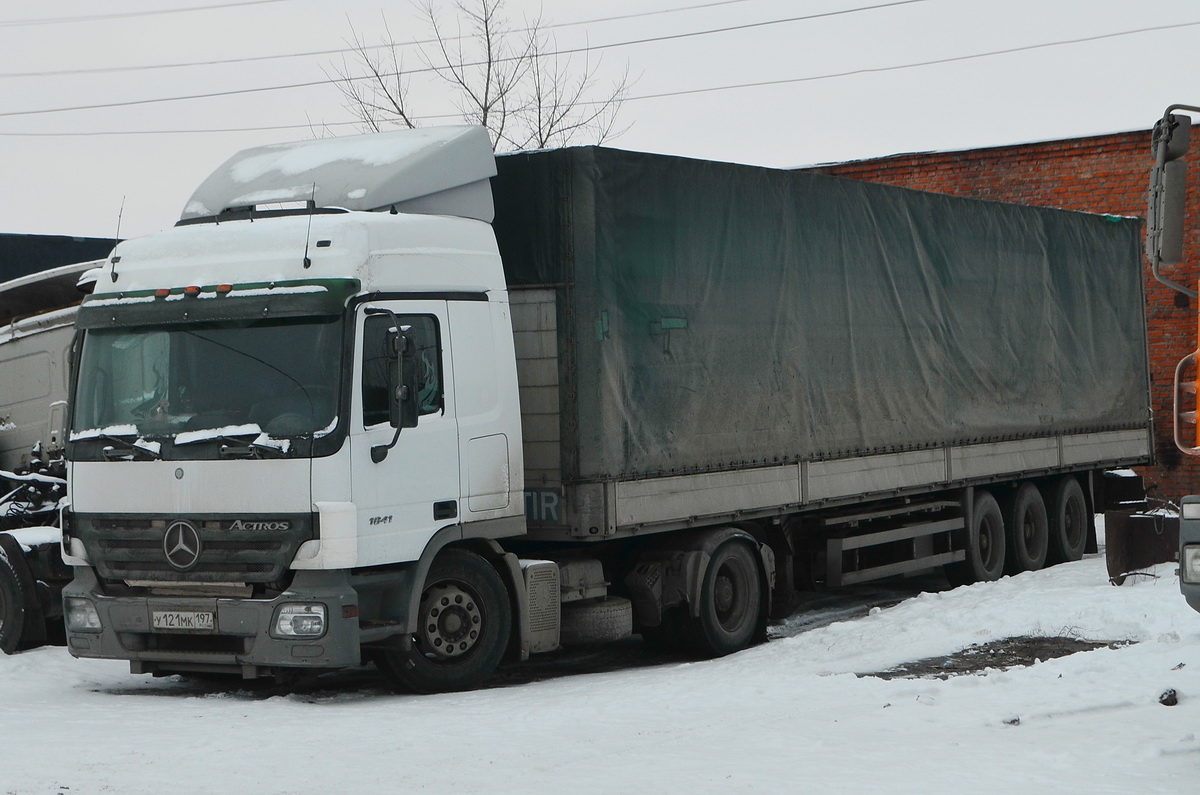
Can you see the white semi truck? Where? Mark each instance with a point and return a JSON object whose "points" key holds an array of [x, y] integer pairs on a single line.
{"points": [[390, 397], [1166, 233]]}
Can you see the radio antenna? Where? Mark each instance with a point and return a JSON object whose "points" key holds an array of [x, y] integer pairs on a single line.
{"points": [[312, 210], [120, 212], [116, 240]]}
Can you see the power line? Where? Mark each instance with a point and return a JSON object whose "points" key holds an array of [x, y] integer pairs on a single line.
{"points": [[915, 65], [12, 23], [576, 50], [660, 95], [345, 50], [206, 130]]}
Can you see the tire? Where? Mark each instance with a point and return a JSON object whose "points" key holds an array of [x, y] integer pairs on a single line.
{"points": [[1068, 521], [986, 544], [465, 620], [585, 623], [16, 593], [1028, 530], [730, 602]]}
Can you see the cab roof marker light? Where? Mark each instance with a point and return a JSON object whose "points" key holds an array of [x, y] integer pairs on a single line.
{"points": [[192, 290], [224, 289], [162, 292]]}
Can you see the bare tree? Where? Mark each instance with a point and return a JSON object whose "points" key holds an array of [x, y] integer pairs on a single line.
{"points": [[514, 82], [376, 98]]}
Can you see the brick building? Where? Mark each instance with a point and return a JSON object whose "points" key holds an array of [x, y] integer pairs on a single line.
{"points": [[1100, 174]]}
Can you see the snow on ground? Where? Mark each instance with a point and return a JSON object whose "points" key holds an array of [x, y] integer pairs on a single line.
{"points": [[787, 716]]}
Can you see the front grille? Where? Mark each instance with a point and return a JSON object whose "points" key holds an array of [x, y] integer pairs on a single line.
{"points": [[129, 570], [132, 547]]}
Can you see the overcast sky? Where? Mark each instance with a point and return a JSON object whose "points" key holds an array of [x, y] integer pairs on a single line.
{"points": [[890, 77]]}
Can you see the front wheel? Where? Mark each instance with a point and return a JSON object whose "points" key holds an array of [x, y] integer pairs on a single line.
{"points": [[463, 628], [730, 601]]}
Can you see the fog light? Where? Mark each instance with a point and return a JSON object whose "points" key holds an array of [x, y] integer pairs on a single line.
{"points": [[81, 615], [1190, 568], [300, 621]]}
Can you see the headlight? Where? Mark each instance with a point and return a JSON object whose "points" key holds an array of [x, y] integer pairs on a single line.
{"points": [[300, 621], [1190, 563], [81, 615]]}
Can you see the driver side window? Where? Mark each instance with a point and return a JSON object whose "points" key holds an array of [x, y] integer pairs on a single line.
{"points": [[422, 330]]}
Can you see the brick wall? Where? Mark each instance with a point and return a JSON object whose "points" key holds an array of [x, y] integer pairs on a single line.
{"points": [[1101, 174]]}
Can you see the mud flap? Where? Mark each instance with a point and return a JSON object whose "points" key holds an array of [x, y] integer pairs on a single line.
{"points": [[673, 574], [1136, 541], [23, 625]]}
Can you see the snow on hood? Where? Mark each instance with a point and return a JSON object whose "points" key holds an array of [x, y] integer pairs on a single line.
{"points": [[96, 433], [207, 434]]}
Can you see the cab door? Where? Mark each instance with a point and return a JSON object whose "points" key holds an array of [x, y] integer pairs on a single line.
{"points": [[413, 492]]}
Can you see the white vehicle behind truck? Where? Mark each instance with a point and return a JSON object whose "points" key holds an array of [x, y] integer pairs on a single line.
{"points": [[36, 328], [389, 397]]}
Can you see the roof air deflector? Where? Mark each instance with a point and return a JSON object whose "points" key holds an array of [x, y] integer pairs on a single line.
{"points": [[429, 171]]}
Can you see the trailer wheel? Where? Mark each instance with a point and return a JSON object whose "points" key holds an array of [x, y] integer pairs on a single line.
{"points": [[730, 601], [1068, 521], [985, 544], [1028, 530], [464, 624]]}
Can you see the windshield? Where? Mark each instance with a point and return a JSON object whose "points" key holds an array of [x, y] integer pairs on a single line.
{"points": [[241, 377]]}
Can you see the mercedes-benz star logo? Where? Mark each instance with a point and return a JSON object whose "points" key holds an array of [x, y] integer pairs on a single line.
{"points": [[182, 545]]}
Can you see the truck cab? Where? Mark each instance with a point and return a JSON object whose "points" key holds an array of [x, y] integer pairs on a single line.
{"points": [[266, 400]]}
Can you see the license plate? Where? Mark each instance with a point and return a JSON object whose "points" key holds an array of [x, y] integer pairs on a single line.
{"points": [[194, 620]]}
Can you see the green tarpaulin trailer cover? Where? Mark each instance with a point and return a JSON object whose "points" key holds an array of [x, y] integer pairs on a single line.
{"points": [[715, 316]]}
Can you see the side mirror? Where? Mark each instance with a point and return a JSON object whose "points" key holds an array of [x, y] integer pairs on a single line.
{"points": [[402, 384], [1167, 211], [403, 404], [1168, 188]]}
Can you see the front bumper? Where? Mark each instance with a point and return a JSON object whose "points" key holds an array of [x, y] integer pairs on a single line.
{"points": [[1189, 550], [241, 640]]}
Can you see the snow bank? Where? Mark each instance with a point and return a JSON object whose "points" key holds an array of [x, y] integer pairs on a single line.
{"points": [[787, 716]]}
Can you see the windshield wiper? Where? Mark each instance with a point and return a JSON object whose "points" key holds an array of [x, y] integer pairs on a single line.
{"points": [[234, 443], [251, 449], [129, 450]]}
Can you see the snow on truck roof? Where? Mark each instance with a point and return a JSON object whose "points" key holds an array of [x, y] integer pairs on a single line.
{"points": [[430, 171], [43, 291]]}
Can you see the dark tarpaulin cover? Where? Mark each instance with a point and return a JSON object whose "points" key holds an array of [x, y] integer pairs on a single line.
{"points": [[724, 315]]}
